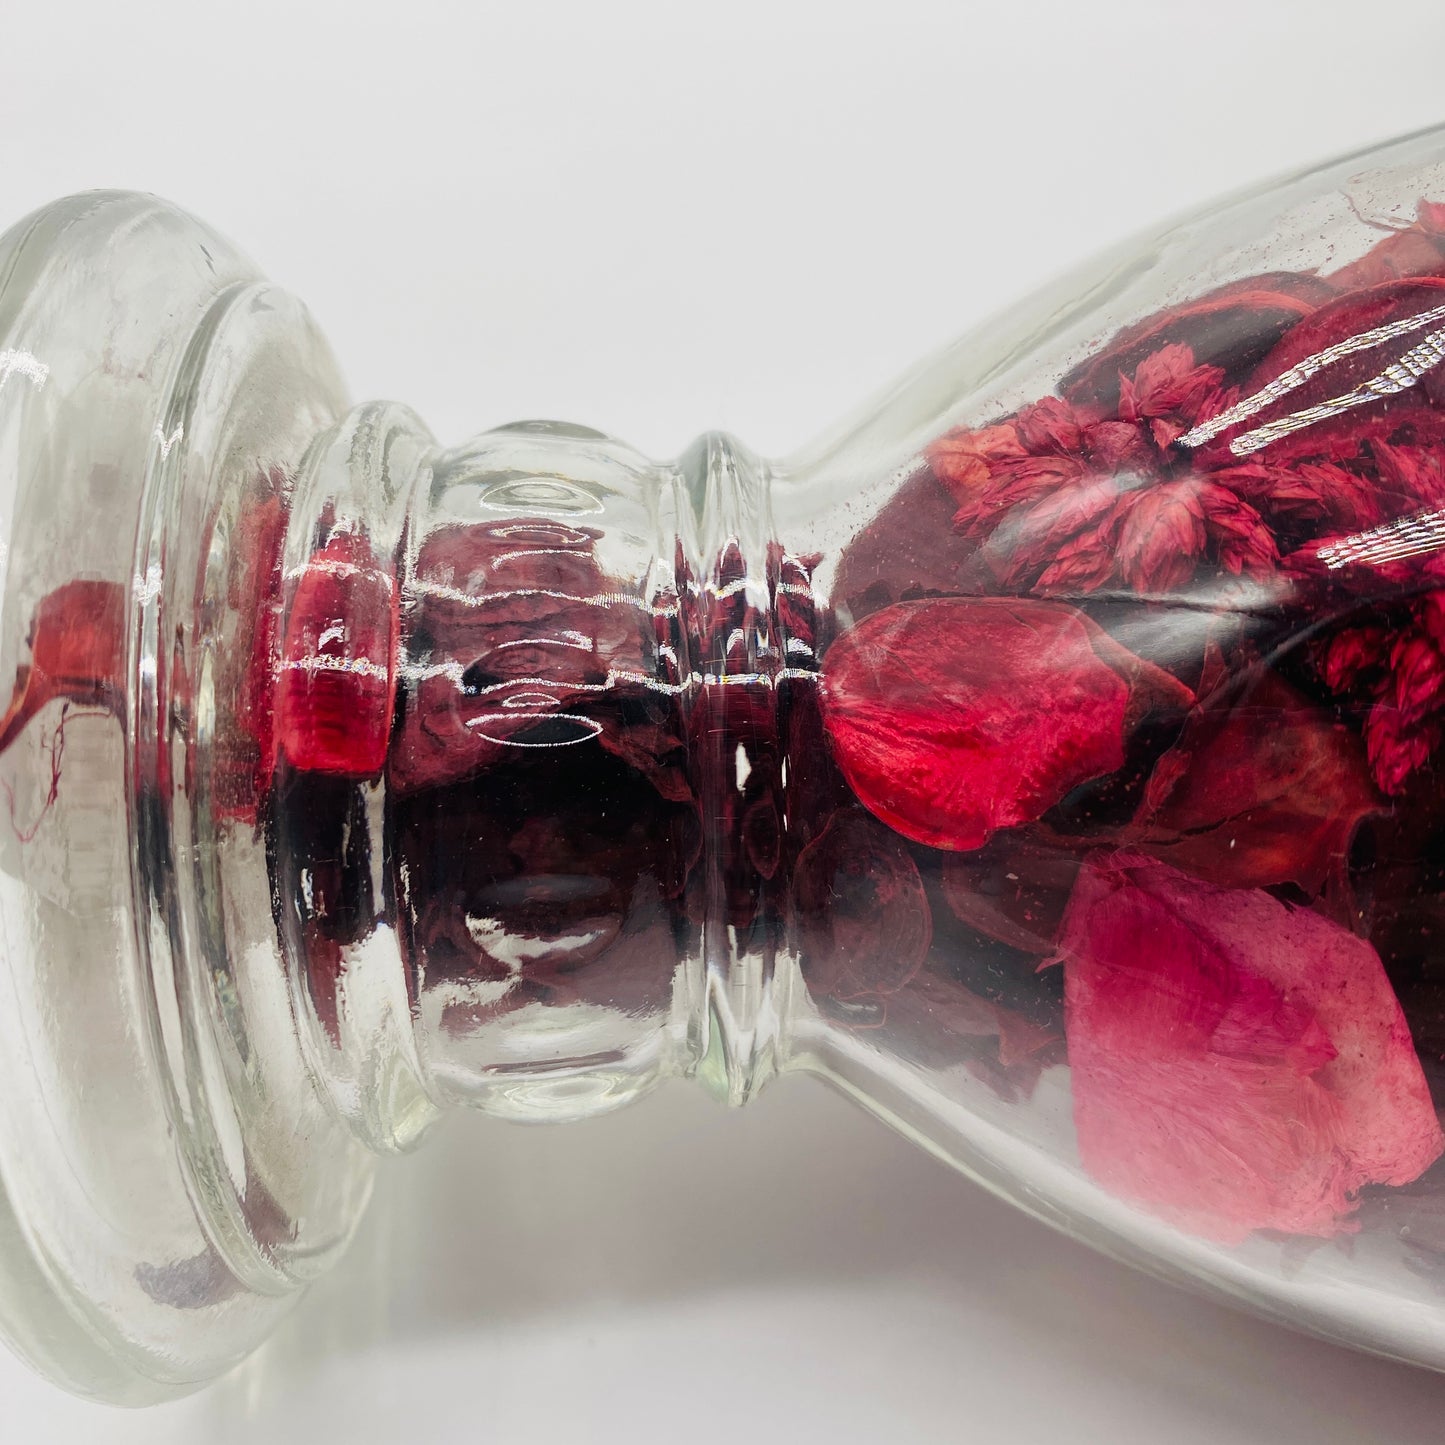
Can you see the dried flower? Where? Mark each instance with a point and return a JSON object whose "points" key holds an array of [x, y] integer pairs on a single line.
{"points": [[954, 717], [1231, 327], [1237, 1064], [1069, 501]]}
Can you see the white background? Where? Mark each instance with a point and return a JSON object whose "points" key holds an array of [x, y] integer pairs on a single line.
{"points": [[654, 219]]}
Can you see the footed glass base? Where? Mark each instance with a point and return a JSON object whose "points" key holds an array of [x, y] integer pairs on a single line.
{"points": [[169, 1178]]}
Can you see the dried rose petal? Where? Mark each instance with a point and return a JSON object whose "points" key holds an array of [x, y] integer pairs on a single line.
{"points": [[1013, 890], [521, 641], [954, 717], [1416, 250], [337, 680], [1237, 1064], [1261, 788], [552, 876], [908, 548], [77, 652], [863, 920], [941, 1023], [1230, 328]]}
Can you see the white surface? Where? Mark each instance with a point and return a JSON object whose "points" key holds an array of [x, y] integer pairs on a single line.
{"points": [[655, 219]]}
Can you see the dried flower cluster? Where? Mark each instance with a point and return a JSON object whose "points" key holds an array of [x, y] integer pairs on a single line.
{"points": [[1157, 707]]}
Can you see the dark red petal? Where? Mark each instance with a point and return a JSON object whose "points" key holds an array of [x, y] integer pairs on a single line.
{"points": [[940, 1022], [1013, 890], [909, 547], [1261, 788], [1328, 356], [522, 641], [863, 920], [1417, 250]]}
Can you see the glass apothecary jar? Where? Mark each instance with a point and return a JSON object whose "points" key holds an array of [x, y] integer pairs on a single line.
{"points": [[1050, 759]]}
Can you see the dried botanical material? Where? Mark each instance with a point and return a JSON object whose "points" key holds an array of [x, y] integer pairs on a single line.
{"points": [[77, 652], [337, 680], [862, 916], [1237, 1064], [1262, 788], [956, 717]]}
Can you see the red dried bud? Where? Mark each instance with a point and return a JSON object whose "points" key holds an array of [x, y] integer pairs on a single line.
{"points": [[1161, 537], [1231, 328]]}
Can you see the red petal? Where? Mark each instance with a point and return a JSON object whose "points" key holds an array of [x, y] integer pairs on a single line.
{"points": [[954, 717], [1012, 890], [910, 546], [77, 652], [337, 685], [1261, 789], [1416, 250], [1237, 1064]]}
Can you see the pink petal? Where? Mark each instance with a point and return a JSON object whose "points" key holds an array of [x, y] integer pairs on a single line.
{"points": [[1237, 1064]]}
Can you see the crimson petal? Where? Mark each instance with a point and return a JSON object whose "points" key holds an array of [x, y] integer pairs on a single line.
{"points": [[954, 717]]}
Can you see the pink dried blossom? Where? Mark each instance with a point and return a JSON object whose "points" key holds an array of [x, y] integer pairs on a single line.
{"points": [[1237, 1064]]}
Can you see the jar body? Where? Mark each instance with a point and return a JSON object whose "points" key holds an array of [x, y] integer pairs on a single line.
{"points": [[1195, 975], [1049, 760]]}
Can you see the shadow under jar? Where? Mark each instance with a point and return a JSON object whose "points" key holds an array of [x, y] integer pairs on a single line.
{"points": [[1050, 759]]}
